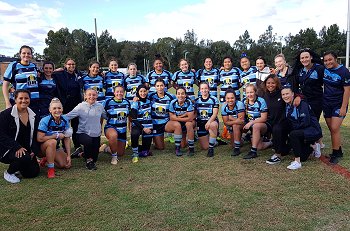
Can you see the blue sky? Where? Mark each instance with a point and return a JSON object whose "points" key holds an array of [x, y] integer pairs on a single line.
{"points": [[28, 23]]}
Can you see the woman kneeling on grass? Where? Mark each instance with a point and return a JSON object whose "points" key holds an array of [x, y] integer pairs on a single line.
{"points": [[233, 112], [141, 123], [207, 108], [256, 117], [118, 110], [181, 121], [305, 129], [51, 130], [89, 128]]}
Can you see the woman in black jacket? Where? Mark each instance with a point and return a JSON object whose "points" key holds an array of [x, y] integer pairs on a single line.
{"points": [[304, 129], [18, 147]]}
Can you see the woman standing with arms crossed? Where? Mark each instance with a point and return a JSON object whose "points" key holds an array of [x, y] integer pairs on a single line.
{"points": [[158, 73], [335, 100]]}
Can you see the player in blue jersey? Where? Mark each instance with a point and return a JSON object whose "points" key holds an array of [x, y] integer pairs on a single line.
{"points": [[248, 73], [233, 113], [47, 88], [141, 110], [207, 108], [118, 110], [256, 120], [51, 130], [181, 121], [22, 74], [132, 81], [113, 78], [335, 100], [229, 77], [160, 112], [157, 73], [210, 75], [95, 81], [185, 78]]}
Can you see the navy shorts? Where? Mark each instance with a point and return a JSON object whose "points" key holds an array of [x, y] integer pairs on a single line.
{"points": [[332, 111], [121, 135], [158, 129]]}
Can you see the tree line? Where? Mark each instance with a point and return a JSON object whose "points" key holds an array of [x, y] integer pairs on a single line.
{"points": [[80, 45]]}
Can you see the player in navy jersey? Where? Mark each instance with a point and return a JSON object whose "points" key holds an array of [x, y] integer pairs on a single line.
{"points": [[335, 100], [185, 78], [229, 77], [283, 71], [157, 73], [160, 112], [256, 120], [210, 75], [95, 81], [248, 73], [22, 74], [47, 88], [233, 113], [141, 123], [52, 128], [207, 108], [113, 78], [118, 110], [132, 81], [181, 122]]}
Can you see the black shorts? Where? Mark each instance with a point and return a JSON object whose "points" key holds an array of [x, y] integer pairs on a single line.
{"points": [[183, 127], [158, 129], [330, 111]]}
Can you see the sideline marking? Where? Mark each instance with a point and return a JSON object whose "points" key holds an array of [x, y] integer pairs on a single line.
{"points": [[336, 168]]}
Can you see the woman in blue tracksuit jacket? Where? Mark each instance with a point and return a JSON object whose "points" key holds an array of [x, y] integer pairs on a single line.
{"points": [[304, 127]]}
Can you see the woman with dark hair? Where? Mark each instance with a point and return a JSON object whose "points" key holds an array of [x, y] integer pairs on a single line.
{"points": [[141, 123], [69, 89], [261, 74], [47, 88], [304, 128], [210, 75], [95, 81], [158, 73], [248, 72], [22, 74], [335, 100], [185, 78], [18, 146], [113, 78]]}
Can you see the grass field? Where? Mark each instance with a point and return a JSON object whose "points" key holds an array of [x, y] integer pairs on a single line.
{"points": [[165, 192]]}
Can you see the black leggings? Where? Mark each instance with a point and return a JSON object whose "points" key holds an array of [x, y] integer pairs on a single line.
{"points": [[280, 137], [301, 148], [26, 165], [146, 141], [91, 146]]}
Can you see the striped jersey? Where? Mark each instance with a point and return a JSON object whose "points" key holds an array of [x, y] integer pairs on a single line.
{"points": [[96, 83], [130, 85], [49, 126], [160, 107], [238, 108], [253, 111], [112, 80], [178, 109], [186, 80], [117, 114], [211, 77], [204, 107], [228, 79], [153, 76]]}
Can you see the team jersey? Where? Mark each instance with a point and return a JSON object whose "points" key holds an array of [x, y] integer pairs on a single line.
{"points": [[144, 112], [204, 107], [334, 80], [96, 83], [131, 83], [23, 77], [248, 77], [160, 107], [253, 111], [49, 126], [211, 77], [311, 81], [228, 79], [153, 76], [238, 108], [112, 80], [117, 114], [178, 109], [185, 80], [47, 91]]}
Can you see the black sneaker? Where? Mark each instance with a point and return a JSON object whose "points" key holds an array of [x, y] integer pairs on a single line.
{"points": [[178, 151], [91, 165], [191, 151], [210, 152], [77, 153], [334, 159], [274, 159], [250, 155], [236, 152]]}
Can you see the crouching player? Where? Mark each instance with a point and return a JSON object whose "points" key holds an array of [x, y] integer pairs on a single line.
{"points": [[181, 121], [207, 108], [233, 112]]}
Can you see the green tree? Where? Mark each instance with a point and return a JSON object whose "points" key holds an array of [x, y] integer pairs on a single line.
{"points": [[333, 40], [219, 50]]}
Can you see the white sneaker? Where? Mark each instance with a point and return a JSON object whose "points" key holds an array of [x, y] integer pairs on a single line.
{"points": [[323, 145], [294, 165], [12, 178], [114, 160], [317, 150]]}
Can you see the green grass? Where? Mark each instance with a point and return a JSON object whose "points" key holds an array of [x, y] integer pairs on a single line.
{"points": [[165, 192]]}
